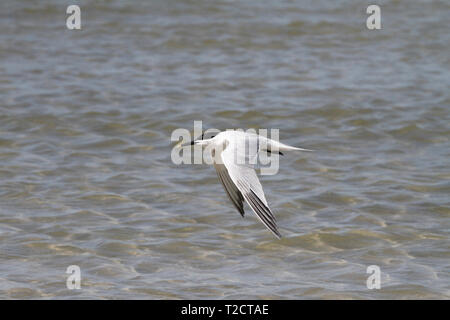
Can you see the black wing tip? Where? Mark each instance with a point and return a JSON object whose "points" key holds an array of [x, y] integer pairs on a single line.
{"points": [[276, 232], [259, 201], [263, 212]]}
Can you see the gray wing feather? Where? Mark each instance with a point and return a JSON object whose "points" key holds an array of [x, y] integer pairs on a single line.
{"points": [[233, 193]]}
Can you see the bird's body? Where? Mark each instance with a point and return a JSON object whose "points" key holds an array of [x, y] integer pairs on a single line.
{"points": [[235, 154]]}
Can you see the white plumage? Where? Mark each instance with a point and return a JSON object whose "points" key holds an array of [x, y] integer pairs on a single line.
{"points": [[235, 154]]}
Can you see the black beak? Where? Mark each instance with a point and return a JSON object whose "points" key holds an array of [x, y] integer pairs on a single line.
{"points": [[188, 144]]}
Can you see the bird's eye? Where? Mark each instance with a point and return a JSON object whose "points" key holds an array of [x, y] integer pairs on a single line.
{"points": [[212, 137]]}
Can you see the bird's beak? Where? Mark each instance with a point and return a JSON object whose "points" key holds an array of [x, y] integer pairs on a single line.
{"points": [[187, 144]]}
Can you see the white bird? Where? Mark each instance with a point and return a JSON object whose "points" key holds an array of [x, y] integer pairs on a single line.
{"points": [[234, 154]]}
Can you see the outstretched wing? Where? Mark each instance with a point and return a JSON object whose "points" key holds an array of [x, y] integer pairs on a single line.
{"points": [[247, 183]]}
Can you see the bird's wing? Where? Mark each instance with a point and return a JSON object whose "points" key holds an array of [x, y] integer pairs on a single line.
{"points": [[247, 182], [233, 192]]}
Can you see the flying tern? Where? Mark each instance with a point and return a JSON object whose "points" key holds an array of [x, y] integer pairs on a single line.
{"points": [[234, 155]]}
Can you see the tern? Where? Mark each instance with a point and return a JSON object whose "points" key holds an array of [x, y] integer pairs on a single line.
{"points": [[234, 154]]}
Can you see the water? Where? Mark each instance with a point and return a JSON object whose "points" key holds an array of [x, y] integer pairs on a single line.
{"points": [[86, 176]]}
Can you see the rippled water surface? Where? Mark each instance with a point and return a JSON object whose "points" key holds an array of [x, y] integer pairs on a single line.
{"points": [[87, 179]]}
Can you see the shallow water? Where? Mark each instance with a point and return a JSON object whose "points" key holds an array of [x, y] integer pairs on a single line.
{"points": [[86, 175]]}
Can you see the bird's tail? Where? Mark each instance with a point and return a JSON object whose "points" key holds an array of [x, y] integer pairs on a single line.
{"points": [[289, 148], [285, 147]]}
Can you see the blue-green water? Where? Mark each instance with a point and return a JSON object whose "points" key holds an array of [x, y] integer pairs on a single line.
{"points": [[85, 170]]}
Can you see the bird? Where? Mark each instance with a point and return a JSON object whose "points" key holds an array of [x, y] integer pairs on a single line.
{"points": [[235, 153]]}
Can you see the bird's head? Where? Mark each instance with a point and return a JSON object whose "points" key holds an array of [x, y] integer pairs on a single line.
{"points": [[204, 139]]}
